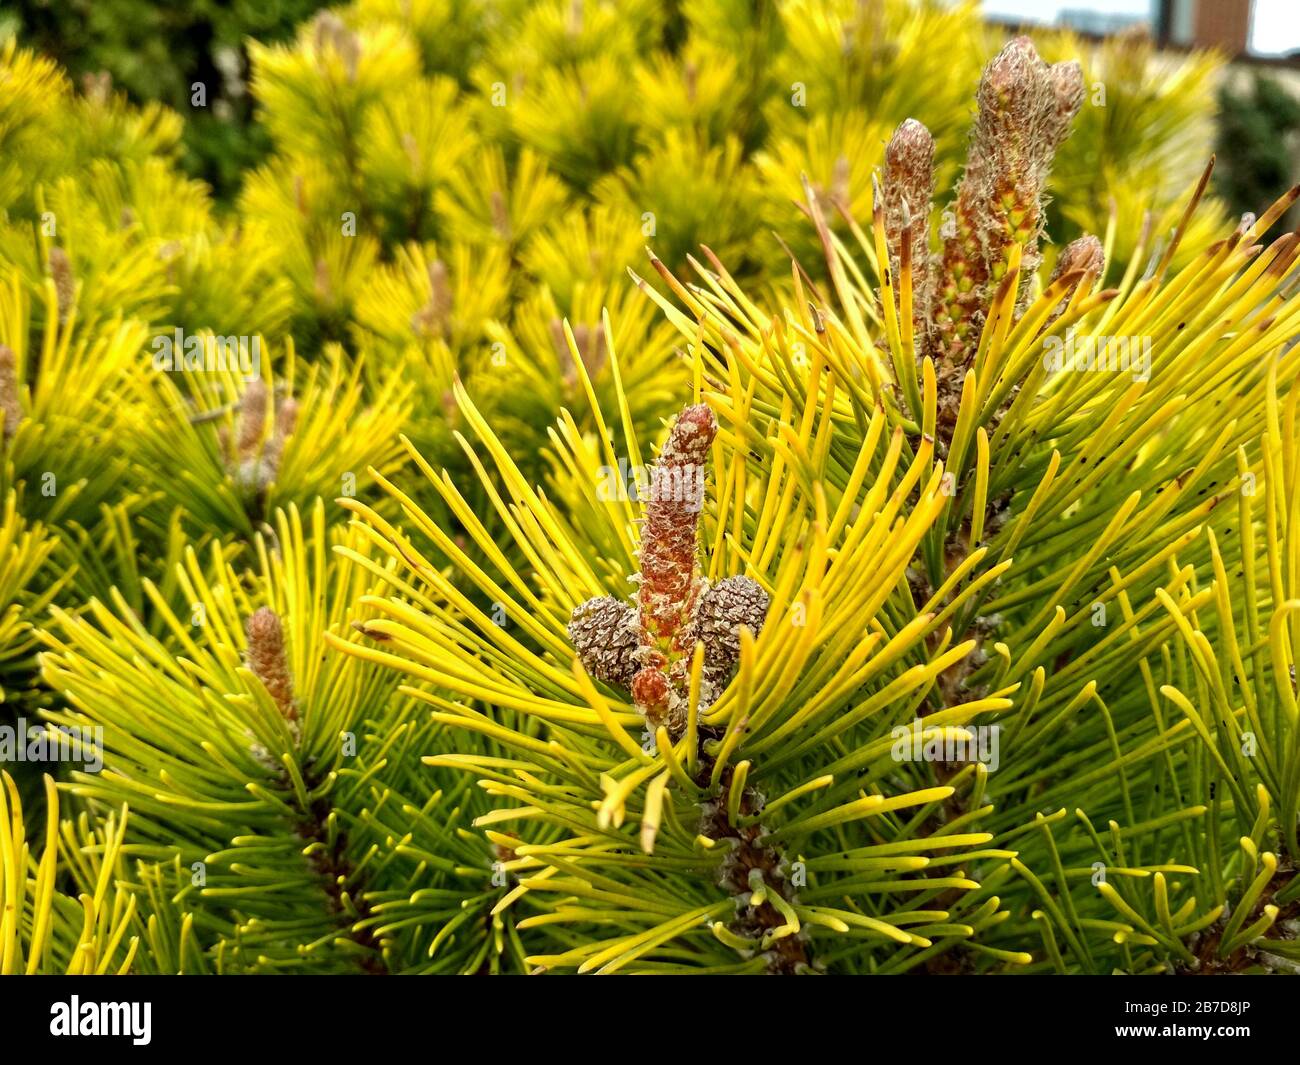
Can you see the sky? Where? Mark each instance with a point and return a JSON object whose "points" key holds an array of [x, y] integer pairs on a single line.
{"points": [[1275, 29], [1046, 10]]}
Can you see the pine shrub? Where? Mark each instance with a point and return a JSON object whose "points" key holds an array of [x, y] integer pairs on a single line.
{"points": [[912, 592]]}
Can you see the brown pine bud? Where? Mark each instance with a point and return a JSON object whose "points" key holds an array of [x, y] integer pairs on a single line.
{"points": [[908, 194], [321, 282], [997, 200], [252, 419], [1016, 103], [1025, 110], [1015, 91], [668, 549], [590, 341], [286, 420], [65, 282], [328, 28], [1067, 99], [97, 87], [434, 318], [500, 214], [840, 174], [332, 33], [604, 633], [670, 584], [268, 660], [1084, 253], [648, 650], [10, 405]]}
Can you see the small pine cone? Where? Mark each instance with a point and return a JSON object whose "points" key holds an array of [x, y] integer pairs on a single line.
{"points": [[10, 407], [723, 609], [653, 695], [604, 633], [268, 661]]}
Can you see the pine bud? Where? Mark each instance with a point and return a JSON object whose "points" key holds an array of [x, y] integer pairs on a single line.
{"points": [[321, 282], [500, 215], [1025, 110], [65, 282], [286, 420], [434, 318], [909, 192], [332, 33], [670, 586], [840, 174], [648, 650], [668, 549], [97, 87], [252, 419], [10, 407], [1017, 102], [1010, 84], [590, 341], [268, 661], [1084, 253], [1067, 99]]}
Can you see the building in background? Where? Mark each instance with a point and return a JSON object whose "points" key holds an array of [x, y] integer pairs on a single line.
{"points": [[1242, 29], [1196, 24], [1222, 24]]}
